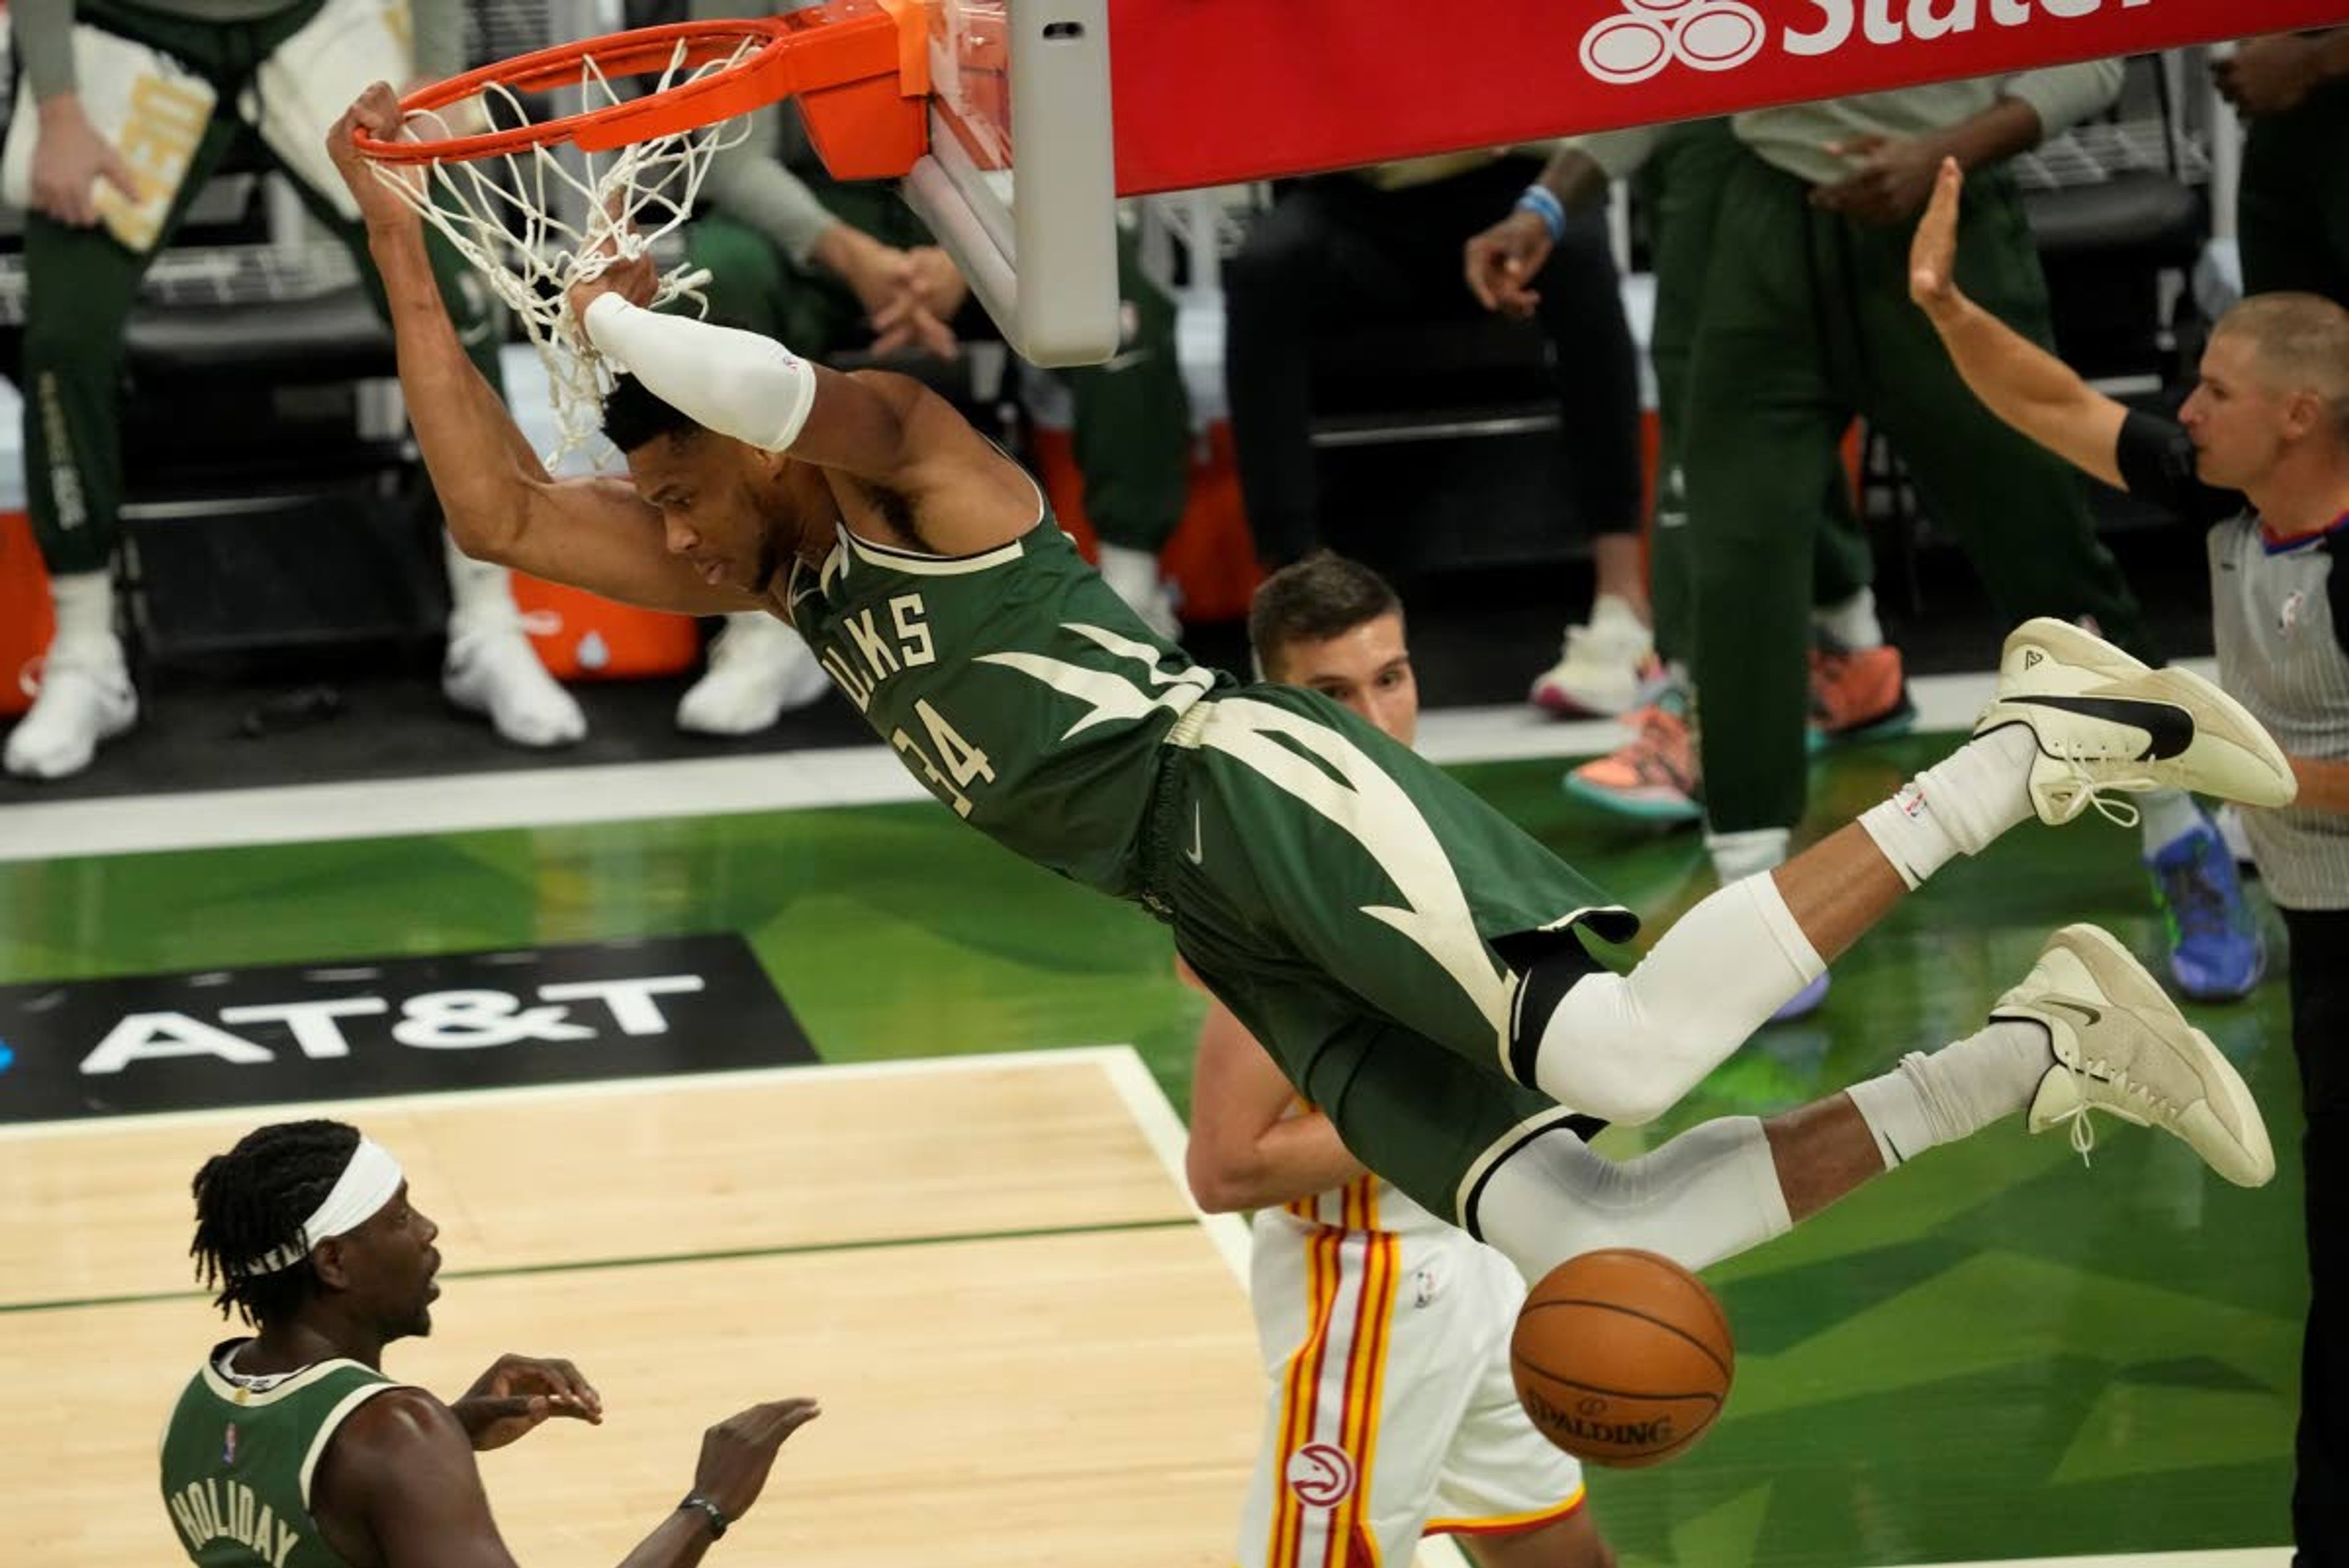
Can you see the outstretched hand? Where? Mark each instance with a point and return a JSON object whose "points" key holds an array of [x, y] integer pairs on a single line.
{"points": [[738, 1453], [518, 1393], [377, 113], [1934, 254]]}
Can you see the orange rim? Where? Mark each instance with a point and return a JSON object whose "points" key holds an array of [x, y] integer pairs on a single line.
{"points": [[755, 81]]}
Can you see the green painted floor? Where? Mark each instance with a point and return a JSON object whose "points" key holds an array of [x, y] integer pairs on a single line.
{"points": [[1993, 1354]]}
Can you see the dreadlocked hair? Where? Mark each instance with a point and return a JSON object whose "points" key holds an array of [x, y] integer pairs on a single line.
{"points": [[251, 1201]]}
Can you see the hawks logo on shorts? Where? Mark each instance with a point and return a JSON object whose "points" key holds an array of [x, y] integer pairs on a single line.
{"points": [[1321, 1475]]}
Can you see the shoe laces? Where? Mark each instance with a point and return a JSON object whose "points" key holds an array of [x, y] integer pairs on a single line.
{"points": [[2080, 780], [2158, 1109], [1655, 754]]}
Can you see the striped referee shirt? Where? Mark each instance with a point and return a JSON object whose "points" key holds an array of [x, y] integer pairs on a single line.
{"points": [[2280, 610]]}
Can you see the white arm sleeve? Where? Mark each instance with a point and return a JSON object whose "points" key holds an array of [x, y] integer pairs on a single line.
{"points": [[736, 383]]}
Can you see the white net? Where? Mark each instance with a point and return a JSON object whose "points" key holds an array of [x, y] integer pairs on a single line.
{"points": [[541, 219]]}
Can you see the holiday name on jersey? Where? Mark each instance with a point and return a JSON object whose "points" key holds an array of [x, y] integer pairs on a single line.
{"points": [[203, 1515]]}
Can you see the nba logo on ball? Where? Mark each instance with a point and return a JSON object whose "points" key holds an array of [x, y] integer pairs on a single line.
{"points": [[1321, 1476]]}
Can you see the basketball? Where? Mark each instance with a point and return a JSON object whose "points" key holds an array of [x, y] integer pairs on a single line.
{"points": [[1621, 1357]]}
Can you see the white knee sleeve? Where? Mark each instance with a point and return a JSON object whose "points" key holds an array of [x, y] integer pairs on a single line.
{"points": [[1626, 1047], [1709, 1194]]}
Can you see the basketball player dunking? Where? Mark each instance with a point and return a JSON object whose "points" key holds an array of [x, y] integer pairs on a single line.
{"points": [[291, 1448], [1414, 963]]}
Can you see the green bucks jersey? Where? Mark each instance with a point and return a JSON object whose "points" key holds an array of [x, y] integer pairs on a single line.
{"points": [[1014, 684], [237, 1460]]}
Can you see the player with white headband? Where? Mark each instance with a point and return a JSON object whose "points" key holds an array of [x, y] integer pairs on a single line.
{"points": [[291, 1448]]}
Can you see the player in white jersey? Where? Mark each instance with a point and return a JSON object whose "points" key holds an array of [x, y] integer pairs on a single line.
{"points": [[1384, 1330]]}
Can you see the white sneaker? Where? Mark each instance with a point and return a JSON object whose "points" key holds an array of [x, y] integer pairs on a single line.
{"points": [[2122, 1047], [1606, 668], [759, 670], [2106, 722], [85, 699], [492, 668], [1133, 576]]}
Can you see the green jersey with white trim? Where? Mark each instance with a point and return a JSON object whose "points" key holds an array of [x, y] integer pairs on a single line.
{"points": [[237, 1459], [1014, 684]]}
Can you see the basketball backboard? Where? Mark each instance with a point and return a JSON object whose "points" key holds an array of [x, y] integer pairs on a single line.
{"points": [[1020, 183]]}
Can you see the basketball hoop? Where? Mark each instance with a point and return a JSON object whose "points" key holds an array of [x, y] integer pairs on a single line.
{"points": [[470, 161]]}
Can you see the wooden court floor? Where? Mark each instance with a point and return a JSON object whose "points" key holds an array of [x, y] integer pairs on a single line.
{"points": [[1030, 1349]]}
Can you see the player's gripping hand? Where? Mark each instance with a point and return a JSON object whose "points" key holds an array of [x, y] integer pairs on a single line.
{"points": [[738, 1452], [519, 1392], [381, 206], [69, 158], [1501, 260]]}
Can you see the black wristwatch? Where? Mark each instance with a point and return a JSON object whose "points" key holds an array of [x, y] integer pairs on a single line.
{"points": [[716, 1515]]}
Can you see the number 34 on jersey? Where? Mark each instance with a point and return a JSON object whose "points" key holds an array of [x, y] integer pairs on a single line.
{"points": [[872, 652]]}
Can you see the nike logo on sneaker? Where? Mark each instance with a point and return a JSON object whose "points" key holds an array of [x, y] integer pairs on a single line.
{"points": [[2091, 1014], [2170, 729]]}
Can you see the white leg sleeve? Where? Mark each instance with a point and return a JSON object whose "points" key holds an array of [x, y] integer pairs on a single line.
{"points": [[1626, 1047], [1709, 1194]]}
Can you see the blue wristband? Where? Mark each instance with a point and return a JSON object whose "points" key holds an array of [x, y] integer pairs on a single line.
{"points": [[1539, 199]]}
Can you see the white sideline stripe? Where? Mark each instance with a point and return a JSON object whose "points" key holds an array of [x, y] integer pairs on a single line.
{"points": [[735, 1079], [710, 787], [1160, 1123]]}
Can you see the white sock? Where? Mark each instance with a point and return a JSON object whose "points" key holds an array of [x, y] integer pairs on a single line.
{"points": [[477, 589], [1955, 1091], [84, 602], [1957, 806], [1613, 613], [1748, 853], [2165, 817], [1852, 624]]}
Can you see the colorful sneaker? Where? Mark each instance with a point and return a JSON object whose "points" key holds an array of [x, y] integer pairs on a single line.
{"points": [[1653, 776], [2216, 952], [2105, 722], [1857, 694], [1605, 668], [2122, 1047]]}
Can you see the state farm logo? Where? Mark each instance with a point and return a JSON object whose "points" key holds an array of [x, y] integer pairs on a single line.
{"points": [[1722, 35], [1709, 34]]}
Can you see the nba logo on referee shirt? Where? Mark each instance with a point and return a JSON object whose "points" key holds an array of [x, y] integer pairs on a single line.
{"points": [[1321, 1475]]}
